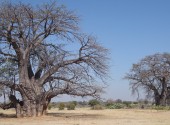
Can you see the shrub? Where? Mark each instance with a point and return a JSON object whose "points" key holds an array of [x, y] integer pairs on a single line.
{"points": [[61, 106], [127, 104], [109, 102], [161, 107], [75, 103], [93, 102], [71, 106], [135, 103], [118, 101], [49, 106], [97, 107], [116, 106]]}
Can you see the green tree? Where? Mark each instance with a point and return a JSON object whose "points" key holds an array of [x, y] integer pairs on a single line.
{"points": [[71, 106], [93, 102], [61, 106]]}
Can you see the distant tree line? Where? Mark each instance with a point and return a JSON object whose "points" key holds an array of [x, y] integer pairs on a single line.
{"points": [[95, 104]]}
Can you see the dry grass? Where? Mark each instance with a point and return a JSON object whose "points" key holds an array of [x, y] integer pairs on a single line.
{"points": [[91, 117]]}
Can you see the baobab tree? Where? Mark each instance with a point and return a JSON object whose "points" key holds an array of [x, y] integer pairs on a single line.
{"points": [[43, 54], [152, 74]]}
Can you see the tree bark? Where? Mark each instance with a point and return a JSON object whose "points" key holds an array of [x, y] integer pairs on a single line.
{"points": [[32, 109], [34, 102], [19, 111], [157, 101], [164, 92]]}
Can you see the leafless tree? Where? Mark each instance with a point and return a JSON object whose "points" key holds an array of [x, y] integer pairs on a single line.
{"points": [[45, 51], [152, 74]]}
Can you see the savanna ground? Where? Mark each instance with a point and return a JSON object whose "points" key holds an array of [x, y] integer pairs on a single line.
{"points": [[85, 116]]}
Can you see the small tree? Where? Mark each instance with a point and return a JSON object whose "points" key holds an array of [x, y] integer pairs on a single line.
{"points": [[71, 106], [61, 106], [75, 103], [93, 102]]}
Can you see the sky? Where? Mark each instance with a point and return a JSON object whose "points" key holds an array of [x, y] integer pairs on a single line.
{"points": [[130, 29]]}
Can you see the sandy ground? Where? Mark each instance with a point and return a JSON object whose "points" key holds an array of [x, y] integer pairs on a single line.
{"points": [[91, 117]]}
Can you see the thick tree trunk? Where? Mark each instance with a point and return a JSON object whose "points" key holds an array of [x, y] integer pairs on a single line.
{"points": [[31, 109], [163, 101], [31, 92], [164, 93], [157, 99], [34, 106], [39, 109], [19, 111], [160, 100]]}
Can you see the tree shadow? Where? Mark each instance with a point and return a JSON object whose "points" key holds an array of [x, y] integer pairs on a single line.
{"points": [[74, 115], [2, 115]]}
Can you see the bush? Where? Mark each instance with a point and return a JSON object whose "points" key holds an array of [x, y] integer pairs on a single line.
{"points": [[61, 106], [75, 103], [128, 104], [93, 102], [161, 107], [109, 102], [116, 106], [97, 107], [71, 106], [135, 103], [49, 106], [118, 101]]}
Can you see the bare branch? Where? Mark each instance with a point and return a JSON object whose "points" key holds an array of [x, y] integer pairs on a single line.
{"points": [[151, 74], [9, 84]]}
